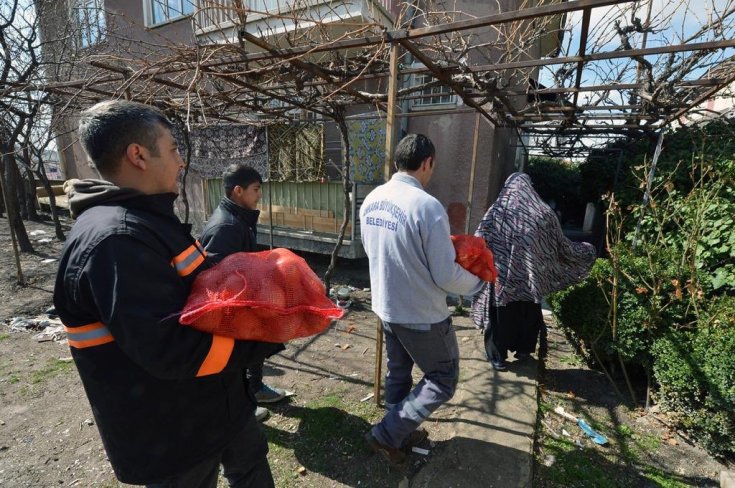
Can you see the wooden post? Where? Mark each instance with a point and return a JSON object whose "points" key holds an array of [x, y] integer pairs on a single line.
{"points": [[389, 143], [270, 193], [378, 374], [390, 121], [460, 306], [472, 174]]}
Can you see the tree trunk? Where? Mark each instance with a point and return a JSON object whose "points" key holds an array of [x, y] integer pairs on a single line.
{"points": [[347, 188], [12, 173], [41, 173], [11, 193], [184, 196], [29, 186], [8, 156]]}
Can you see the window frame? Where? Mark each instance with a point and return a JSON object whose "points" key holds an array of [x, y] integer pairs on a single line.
{"points": [[445, 91], [182, 13]]}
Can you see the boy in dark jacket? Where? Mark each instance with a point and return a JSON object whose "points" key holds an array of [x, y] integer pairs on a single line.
{"points": [[168, 400], [232, 228]]}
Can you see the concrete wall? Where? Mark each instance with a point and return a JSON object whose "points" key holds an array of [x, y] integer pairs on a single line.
{"points": [[127, 19], [196, 198], [453, 137], [74, 162]]}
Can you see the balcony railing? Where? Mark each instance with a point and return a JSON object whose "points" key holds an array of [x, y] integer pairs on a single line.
{"points": [[214, 14]]}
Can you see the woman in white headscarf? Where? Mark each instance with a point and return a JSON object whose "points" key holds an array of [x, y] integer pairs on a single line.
{"points": [[533, 259]]}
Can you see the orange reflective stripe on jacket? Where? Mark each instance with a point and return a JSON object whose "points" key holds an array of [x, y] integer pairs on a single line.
{"points": [[189, 259], [218, 355], [88, 335]]}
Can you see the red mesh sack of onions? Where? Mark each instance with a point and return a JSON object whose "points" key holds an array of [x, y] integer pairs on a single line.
{"points": [[474, 256], [269, 296]]}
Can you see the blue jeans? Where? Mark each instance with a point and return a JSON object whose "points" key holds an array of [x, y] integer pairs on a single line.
{"points": [[433, 348]]}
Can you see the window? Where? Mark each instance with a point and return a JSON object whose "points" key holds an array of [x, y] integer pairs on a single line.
{"points": [[433, 95], [90, 16], [162, 11]]}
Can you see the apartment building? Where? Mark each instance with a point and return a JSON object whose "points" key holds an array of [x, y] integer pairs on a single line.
{"points": [[473, 156]]}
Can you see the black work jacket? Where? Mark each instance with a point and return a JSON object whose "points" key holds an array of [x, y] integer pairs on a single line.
{"points": [[165, 396], [230, 229]]}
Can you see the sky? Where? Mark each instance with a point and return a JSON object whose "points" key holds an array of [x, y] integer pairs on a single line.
{"points": [[673, 22]]}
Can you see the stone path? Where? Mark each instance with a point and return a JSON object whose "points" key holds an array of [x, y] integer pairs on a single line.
{"points": [[491, 418]]}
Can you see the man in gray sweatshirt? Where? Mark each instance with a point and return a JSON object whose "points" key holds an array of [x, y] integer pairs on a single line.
{"points": [[405, 232]]}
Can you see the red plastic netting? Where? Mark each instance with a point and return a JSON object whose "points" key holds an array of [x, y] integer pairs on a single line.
{"points": [[269, 296], [474, 256]]}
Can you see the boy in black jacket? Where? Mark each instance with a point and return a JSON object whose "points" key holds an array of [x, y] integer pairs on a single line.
{"points": [[168, 400], [232, 228]]}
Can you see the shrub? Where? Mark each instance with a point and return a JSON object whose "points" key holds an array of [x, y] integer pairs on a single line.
{"points": [[650, 300], [697, 227], [673, 264], [715, 253], [582, 309], [696, 375], [557, 180]]}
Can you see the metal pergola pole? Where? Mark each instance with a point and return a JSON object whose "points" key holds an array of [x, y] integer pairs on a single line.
{"points": [[389, 143], [472, 174]]}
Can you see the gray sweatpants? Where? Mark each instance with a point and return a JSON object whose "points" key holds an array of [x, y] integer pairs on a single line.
{"points": [[433, 348]]}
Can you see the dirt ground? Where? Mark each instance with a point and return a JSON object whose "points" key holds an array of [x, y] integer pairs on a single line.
{"points": [[644, 450], [47, 431], [48, 436]]}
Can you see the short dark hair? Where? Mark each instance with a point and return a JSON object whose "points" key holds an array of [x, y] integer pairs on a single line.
{"points": [[108, 128], [240, 175], [412, 150]]}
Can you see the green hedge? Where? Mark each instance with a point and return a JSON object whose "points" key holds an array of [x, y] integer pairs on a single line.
{"points": [[650, 300], [693, 360], [696, 373], [675, 287], [583, 310]]}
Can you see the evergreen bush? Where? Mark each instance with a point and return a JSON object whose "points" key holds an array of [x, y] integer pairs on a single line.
{"points": [[665, 298], [696, 375]]}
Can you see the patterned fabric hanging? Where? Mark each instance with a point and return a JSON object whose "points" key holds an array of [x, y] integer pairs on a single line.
{"points": [[215, 147], [296, 152], [367, 150]]}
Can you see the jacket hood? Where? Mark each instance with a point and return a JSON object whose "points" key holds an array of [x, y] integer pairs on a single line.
{"points": [[90, 192]]}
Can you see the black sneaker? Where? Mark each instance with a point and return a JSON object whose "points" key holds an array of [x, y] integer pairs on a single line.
{"points": [[498, 365], [394, 456]]}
